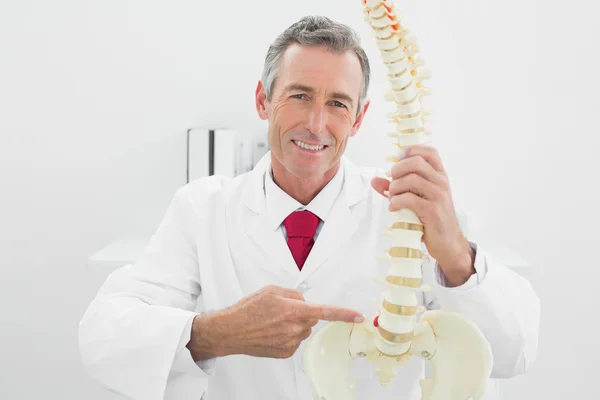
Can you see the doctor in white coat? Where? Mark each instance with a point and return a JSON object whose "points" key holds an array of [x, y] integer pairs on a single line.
{"points": [[241, 271]]}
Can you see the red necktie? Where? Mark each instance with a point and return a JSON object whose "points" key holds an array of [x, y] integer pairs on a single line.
{"points": [[300, 227]]}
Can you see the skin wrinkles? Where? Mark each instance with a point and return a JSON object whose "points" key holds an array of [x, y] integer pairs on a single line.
{"points": [[314, 100]]}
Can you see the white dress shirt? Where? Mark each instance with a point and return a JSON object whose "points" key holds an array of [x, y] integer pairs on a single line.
{"points": [[280, 204]]}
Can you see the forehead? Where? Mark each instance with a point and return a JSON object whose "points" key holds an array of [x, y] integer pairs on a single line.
{"points": [[318, 67]]}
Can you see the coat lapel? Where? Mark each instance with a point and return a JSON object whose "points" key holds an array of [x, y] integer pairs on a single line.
{"points": [[256, 225], [336, 232], [273, 244], [341, 224]]}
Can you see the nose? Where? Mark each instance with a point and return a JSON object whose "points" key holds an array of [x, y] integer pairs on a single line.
{"points": [[317, 119]]}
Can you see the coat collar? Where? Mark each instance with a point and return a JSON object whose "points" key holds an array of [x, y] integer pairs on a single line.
{"points": [[280, 205], [336, 231], [354, 188]]}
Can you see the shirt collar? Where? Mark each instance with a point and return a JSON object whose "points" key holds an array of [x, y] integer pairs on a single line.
{"points": [[280, 204]]}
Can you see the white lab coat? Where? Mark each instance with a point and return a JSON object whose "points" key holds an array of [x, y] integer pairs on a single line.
{"points": [[214, 246]]}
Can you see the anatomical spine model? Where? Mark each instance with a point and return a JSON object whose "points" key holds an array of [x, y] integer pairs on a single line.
{"points": [[460, 355]]}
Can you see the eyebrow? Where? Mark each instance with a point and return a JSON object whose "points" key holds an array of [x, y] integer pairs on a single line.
{"points": [[308, 89]]}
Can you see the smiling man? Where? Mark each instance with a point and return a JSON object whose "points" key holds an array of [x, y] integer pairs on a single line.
{"points": [[241, 270], [313, 107]]}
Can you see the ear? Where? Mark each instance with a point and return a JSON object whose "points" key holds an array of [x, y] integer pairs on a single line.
{"points": [[359, 119], [261, 100]]}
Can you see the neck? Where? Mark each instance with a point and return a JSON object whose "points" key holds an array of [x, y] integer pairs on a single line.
{"points": [[302, 190]]}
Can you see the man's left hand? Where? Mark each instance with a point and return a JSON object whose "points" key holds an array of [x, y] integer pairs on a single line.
{"points": [[419, 183]]}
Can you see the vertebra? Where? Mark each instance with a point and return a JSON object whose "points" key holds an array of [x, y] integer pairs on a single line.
{"points": [[460, 354]]}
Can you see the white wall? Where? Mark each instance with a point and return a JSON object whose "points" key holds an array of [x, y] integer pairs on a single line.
{"points": [[95, 98]]}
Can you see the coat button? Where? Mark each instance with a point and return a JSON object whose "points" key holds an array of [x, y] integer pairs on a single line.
{"points": [[303, 287]]}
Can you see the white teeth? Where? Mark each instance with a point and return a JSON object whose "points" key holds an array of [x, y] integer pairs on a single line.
{"points": [[309, 146]]}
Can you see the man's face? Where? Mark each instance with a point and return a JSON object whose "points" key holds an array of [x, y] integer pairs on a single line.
{"points": [[314, 103]]}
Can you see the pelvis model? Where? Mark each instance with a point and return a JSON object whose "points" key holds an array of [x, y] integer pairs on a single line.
{"points": [[459, 353]]}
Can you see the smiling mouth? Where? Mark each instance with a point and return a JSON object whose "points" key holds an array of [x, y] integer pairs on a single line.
{"points": [[310, 147]]}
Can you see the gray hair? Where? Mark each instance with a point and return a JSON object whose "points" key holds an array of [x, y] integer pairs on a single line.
{"points": [[311, 31]]}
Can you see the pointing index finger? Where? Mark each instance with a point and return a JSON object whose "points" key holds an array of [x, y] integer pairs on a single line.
{"points": [[330, 313]]}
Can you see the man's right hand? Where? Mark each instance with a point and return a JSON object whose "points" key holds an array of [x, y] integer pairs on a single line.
{"points": [[269, 323]]}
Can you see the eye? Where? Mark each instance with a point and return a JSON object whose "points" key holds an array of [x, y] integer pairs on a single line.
{"points": [[338, 104], [298, 96]]}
